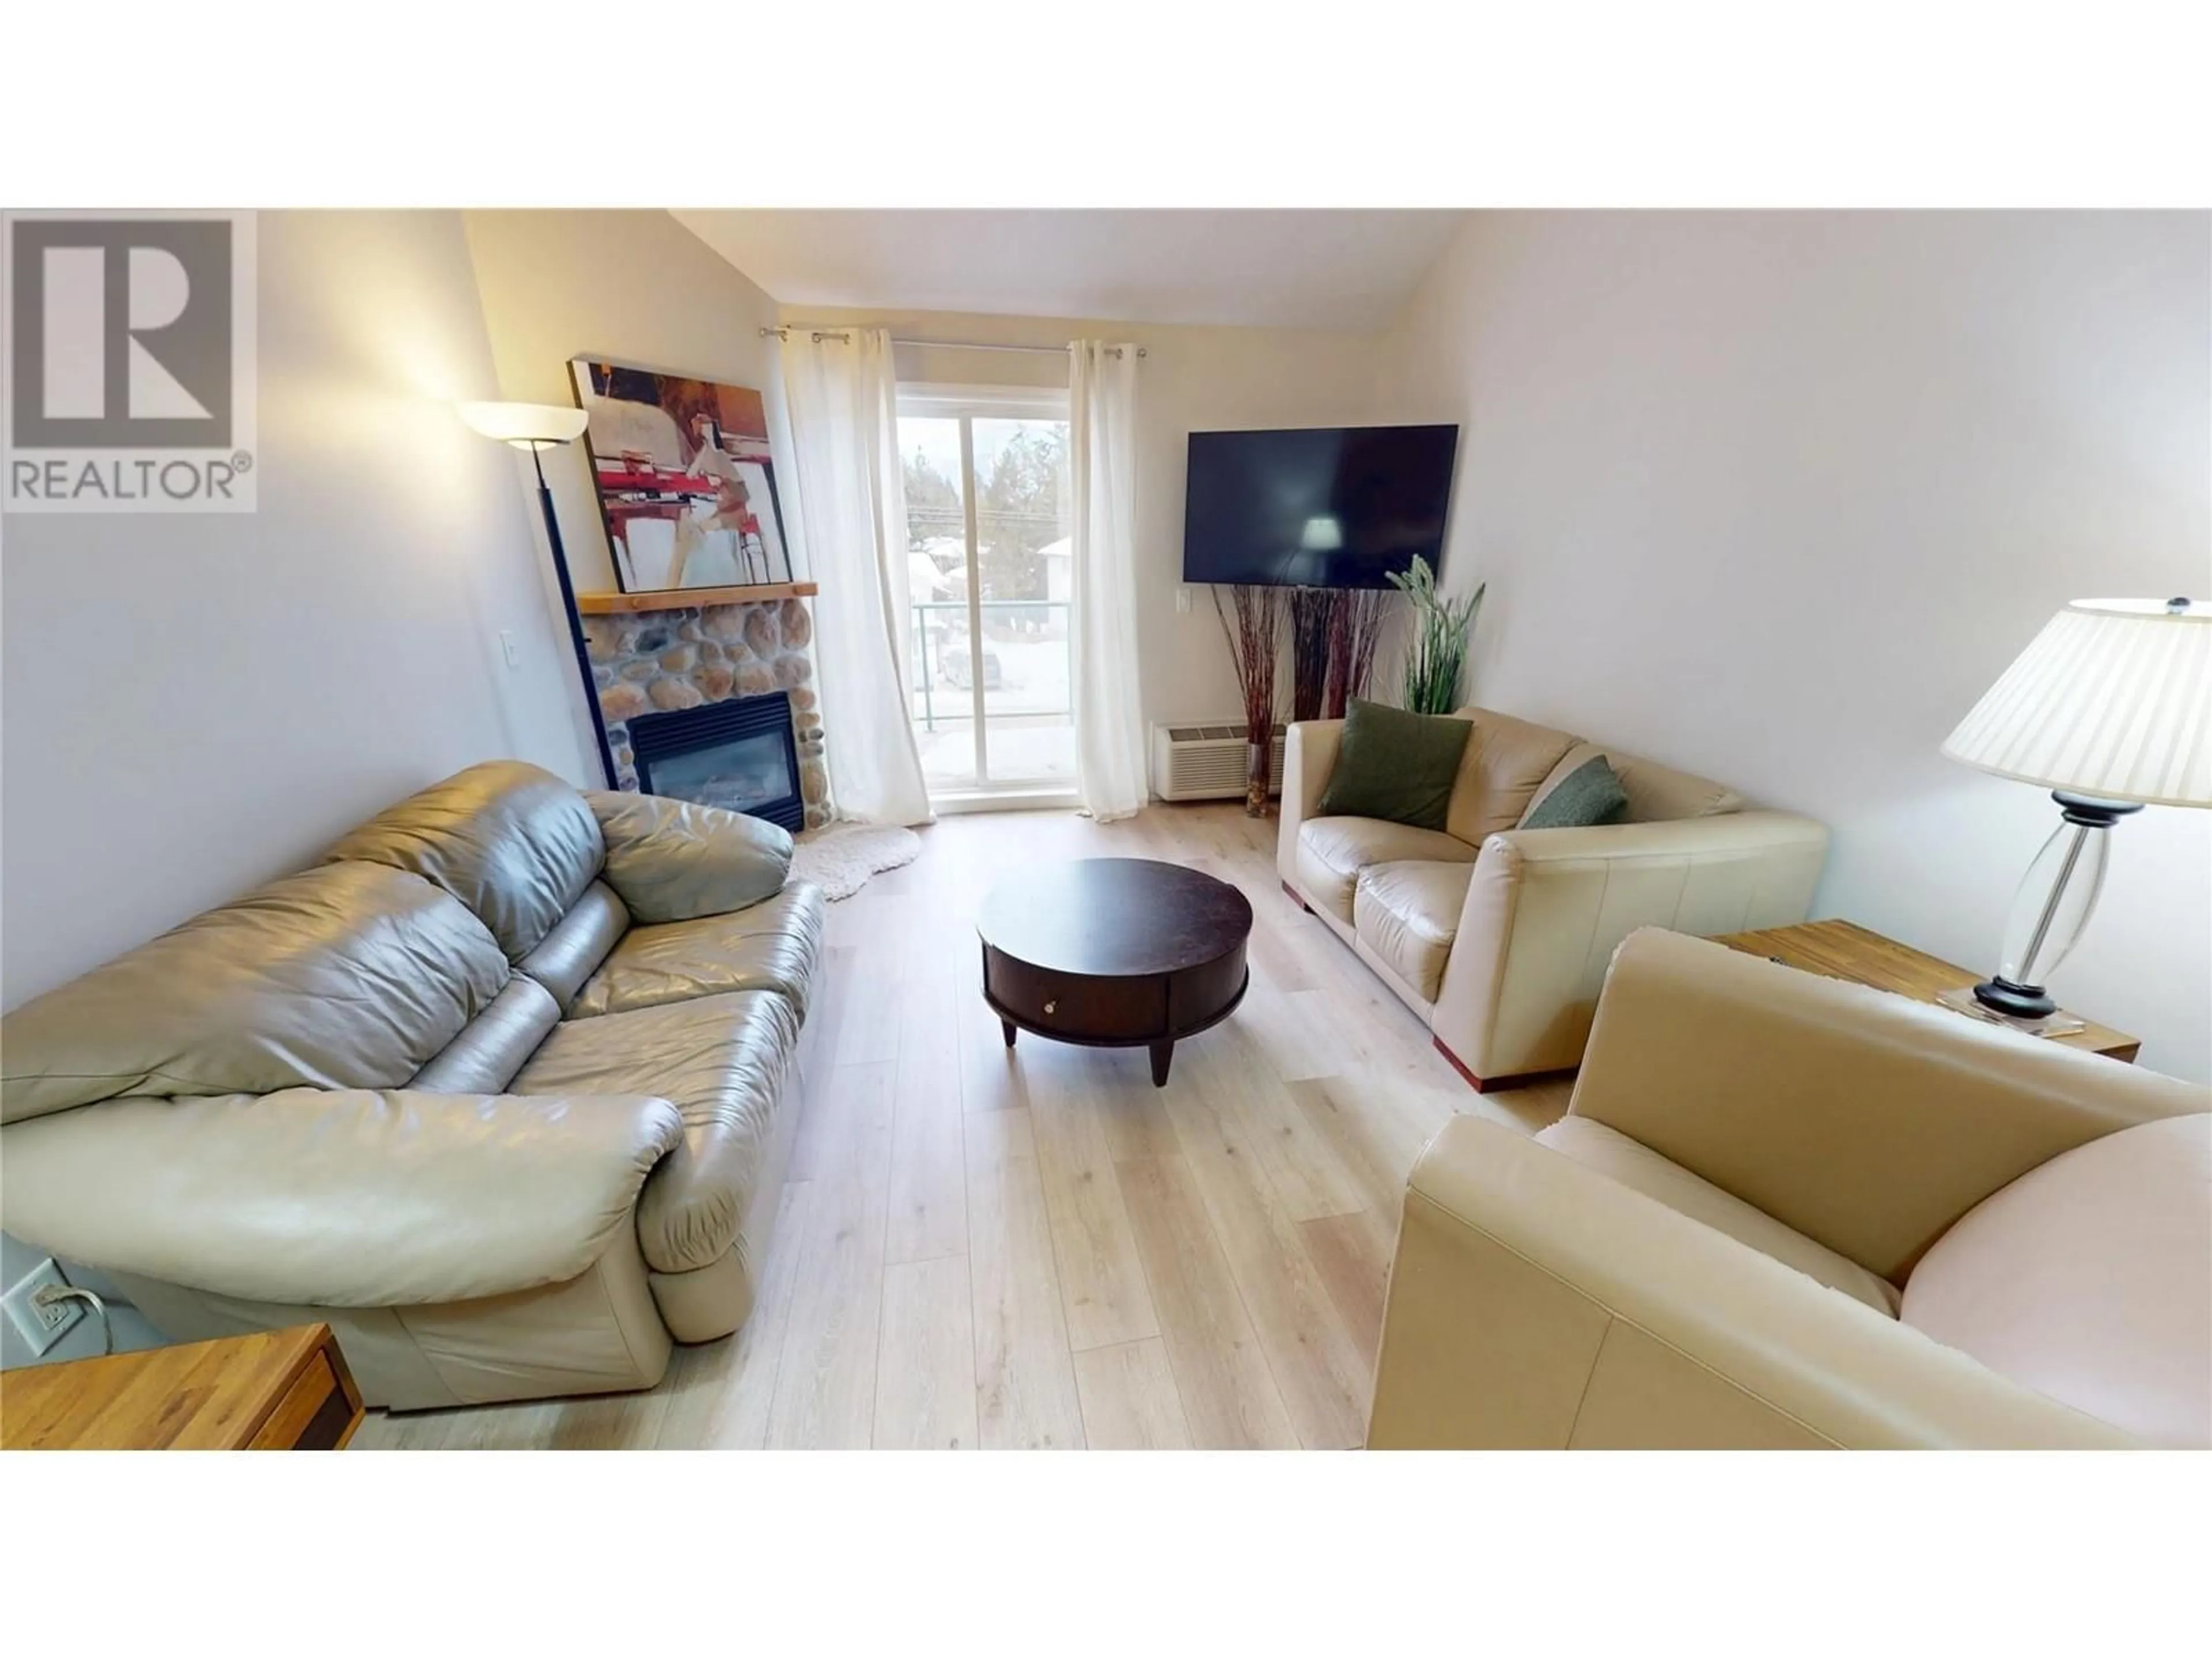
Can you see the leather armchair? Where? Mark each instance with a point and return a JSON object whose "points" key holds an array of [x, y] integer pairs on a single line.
{"points": [[1498, 936], [1787, 1211]]}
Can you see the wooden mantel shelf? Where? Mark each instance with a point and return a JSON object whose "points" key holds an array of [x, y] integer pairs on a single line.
{"points": [[670, 598]]}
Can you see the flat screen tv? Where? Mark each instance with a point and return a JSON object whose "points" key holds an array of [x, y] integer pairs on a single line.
{"points": [[1323, 506]]}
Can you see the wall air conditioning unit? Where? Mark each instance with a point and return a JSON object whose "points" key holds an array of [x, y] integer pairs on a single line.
{"points": [[1207, 763]]}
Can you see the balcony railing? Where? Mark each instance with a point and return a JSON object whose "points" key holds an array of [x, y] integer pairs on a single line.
{"points": [[931, 641]]}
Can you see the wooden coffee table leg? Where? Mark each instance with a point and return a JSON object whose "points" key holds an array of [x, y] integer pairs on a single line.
{"points": [[1162, 1054], [1007, 1026]]}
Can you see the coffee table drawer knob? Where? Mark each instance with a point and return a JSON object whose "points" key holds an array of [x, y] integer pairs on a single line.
{"points": [[1052, 1007]]}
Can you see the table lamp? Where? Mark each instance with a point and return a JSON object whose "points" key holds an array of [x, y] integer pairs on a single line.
{"points": [[534, 426], [2110, 707]]}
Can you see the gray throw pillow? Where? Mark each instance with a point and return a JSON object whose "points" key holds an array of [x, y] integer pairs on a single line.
{"points": [[1394, 765], [1591, 793]]}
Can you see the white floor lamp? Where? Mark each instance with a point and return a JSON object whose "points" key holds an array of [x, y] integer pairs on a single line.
{"points": [[2110, 707]]}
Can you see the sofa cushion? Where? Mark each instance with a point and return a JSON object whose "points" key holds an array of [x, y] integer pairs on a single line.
{"points": [[673, 860], [495, 1045], [347, 976], [1394, 765], [720, 1061], [1332, 852], [512, 841], [1506, 761], [2089, 1279], [1636, 1166], [772, 947], [579, 943], [1659, 794], [1407, 914]]}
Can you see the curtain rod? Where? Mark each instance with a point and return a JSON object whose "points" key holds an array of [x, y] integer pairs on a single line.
{"points": [[941, 345]]}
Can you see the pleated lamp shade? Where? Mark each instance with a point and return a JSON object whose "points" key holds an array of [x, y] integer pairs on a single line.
{"points": [[2112, 699]]}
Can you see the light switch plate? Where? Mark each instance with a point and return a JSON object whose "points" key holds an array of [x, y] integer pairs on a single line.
{"points": [[41, 1328]]}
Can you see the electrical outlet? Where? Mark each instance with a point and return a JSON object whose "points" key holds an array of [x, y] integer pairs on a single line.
{"points": [[1182, 599], [509, 648], [41, 1326]]}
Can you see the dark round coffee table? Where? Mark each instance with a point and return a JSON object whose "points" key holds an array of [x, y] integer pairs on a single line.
{"points": [[1114, 953]]}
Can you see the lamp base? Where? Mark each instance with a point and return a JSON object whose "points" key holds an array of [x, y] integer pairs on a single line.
{"points": [[2052, 905], [1999, 995], [1962, 999]]}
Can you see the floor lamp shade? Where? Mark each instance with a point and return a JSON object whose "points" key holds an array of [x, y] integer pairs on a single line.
{"points": [[2110, 707], [527, 426]]}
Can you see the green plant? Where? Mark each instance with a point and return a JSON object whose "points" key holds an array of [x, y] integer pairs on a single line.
{"points": [[1436, 656]]}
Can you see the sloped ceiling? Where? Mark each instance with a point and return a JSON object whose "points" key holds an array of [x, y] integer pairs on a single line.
{"points": [[1304, 268]]}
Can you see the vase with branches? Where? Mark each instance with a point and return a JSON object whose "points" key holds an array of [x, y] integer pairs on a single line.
{"points": [[1312, 611], [1334, 634], [1255, 646], [1435, 655], [1355, 629]]}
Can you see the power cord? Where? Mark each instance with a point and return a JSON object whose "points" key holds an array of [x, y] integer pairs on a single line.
{"points": [[46, 1295]]}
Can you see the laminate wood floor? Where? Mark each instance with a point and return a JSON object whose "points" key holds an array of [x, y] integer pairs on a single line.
{"points": [[1036, 1247]]}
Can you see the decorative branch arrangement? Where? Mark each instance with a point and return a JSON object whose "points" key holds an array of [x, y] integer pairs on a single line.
{"points": [[1436, 657], [1255, 645], [1334, 633], [1312, 617], [1355, 632]]}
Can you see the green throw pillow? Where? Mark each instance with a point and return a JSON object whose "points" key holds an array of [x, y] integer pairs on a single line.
{"points": [[1395, 765], [1591, 793]]}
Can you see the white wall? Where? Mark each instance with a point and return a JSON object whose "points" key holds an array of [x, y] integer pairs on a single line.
{"points": [[628, 287], [1191, 380], [1776, 496], [190, 705]]}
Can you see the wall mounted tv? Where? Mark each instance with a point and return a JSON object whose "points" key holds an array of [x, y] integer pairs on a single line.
{"points": [[1322, 507]]}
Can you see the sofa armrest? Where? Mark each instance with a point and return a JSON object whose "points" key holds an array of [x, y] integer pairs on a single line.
{"points": [[354, 1198], [672, 861], [1863, 1119], [1545, 908], [1761, 832], [1310, 749], [1535, 1303]]}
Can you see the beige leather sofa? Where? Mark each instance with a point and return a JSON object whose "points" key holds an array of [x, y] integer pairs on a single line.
{"points": [[1498, 936], [1787, 1211], [501, 1090]]}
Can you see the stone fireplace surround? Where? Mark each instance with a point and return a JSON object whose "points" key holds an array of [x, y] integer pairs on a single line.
{"points": [[684, 656]]}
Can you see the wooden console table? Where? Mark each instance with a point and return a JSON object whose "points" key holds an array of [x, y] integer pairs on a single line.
{"points": [[286, 1390], [1843, 950]]}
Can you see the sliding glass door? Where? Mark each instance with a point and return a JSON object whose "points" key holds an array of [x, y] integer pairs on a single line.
{"points": [[987, 555]]}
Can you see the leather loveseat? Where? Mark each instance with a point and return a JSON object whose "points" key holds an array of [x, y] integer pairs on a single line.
{"points": [[1784, 1211], [501, 1089], [1497, 936]]}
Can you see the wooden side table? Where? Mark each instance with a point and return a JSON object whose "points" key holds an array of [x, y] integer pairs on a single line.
{"points": [[286, 1390], [1845, 950]]}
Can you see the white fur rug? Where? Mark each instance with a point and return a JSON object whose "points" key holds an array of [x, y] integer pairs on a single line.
{"points": [[841, 857]]}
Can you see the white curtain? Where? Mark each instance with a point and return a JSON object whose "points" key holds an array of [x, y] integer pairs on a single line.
{"points": [[842, 395], [1102, 450]]}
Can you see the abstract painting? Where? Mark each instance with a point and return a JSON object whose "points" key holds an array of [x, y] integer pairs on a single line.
{"points": [[686, 484]]}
